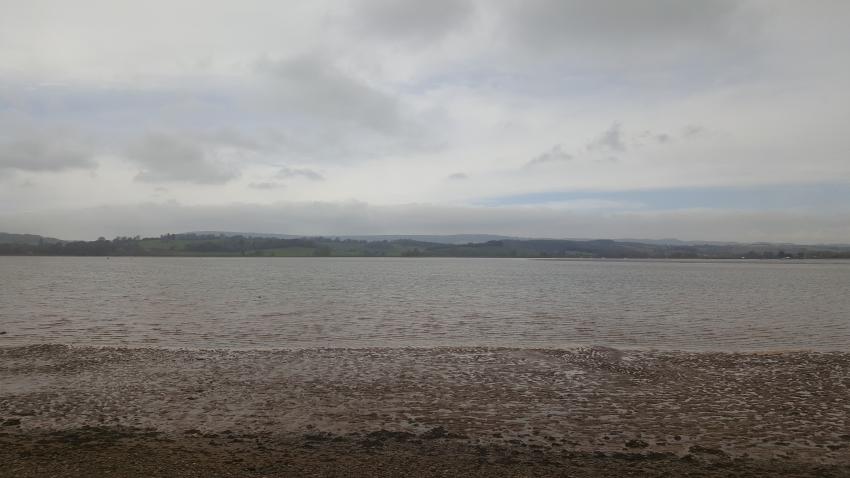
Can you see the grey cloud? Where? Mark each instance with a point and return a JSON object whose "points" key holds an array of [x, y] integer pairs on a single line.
{"points": [[286, 173], [233, 138], [411, 20], [171, 158], [611, 139], [653, 137], [267, 185], [377, 95], [45, 152], [323, 113], [458, 176], [609, 31], [554, 155], [312, 87], [692, 130]]}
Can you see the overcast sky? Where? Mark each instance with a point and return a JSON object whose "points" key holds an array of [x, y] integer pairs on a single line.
{"points": [[717, 120]]}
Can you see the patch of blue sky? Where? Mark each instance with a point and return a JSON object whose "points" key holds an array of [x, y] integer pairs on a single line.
{"points": [[567, 80], [822, 197], [60, 103]]}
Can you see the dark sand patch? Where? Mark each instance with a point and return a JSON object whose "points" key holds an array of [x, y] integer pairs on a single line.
{"points": [[91, 452]]}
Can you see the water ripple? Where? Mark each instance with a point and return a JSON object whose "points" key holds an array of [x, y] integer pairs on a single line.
{"points": [[336, 302]]}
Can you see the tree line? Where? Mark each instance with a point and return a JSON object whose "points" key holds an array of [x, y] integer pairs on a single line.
{"points": [[237, 245]]}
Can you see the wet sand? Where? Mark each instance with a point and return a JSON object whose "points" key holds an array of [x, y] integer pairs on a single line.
{"points": [[79, 411]]}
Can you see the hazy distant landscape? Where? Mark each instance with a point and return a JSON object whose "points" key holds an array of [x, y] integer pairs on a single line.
{"points": [[255, 245]]}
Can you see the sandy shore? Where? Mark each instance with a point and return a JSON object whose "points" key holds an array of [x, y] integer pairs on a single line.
{"points": [[74, 411]]}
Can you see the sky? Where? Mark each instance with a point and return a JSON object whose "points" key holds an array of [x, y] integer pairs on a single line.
{"points": [[710, 120]]}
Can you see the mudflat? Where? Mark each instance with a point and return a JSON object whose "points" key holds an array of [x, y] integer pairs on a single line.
{"points": [[85, 411]]}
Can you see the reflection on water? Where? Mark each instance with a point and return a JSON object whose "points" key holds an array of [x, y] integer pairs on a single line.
{"points": [[365, 302]]}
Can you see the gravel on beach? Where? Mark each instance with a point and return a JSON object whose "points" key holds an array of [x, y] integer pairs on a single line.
{"points": [[596, 411]]}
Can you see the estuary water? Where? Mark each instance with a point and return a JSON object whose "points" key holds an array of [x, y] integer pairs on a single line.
{"points": [[262, 303]]}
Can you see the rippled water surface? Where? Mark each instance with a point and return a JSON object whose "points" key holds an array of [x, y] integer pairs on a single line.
{"points": [[364, 302]]}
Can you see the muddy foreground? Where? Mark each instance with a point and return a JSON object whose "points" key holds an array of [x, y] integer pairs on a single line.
{"points": [[75, 411]]}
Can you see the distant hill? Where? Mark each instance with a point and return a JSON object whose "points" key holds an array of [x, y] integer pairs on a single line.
{"points": [[432, 238], [30, 239], [243, 234], [479, 238], [678, 242], [732, 244]]}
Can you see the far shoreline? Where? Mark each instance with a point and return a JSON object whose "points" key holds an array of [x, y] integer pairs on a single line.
{"points": [[707, 260], [258, 245]]}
